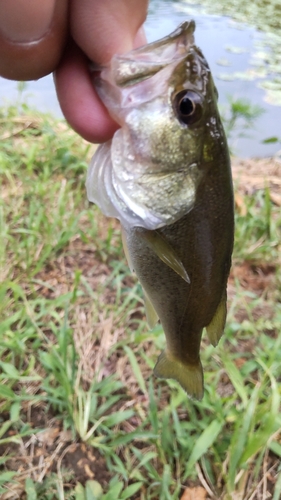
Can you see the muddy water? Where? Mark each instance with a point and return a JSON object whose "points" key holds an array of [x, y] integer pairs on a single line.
{"points": [[239, 56]]}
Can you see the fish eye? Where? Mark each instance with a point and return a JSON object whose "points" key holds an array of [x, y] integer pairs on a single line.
{"points": [[188, 107]]}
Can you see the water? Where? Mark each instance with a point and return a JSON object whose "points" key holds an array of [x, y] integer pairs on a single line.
{"points": [[229, 48]]}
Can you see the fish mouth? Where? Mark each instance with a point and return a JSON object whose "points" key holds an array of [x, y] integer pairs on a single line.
{"points": [[144, 62], [183, 34]]}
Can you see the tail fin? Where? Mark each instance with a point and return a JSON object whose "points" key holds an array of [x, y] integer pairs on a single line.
{"points": [[189, 376]]}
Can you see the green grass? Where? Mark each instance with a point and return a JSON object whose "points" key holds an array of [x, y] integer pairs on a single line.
{"points": [[77, 356]]}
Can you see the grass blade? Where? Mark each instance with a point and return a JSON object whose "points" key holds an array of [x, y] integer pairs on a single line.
{"points": [[136, 368], [204, 442]]}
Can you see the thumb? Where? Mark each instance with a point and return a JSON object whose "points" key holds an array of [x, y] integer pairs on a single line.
{"points": [[32, 37]]}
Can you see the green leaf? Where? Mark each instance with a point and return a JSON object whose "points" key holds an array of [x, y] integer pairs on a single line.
{"points": [[6, 477], [166, 482], [255, 443], [4, 427], [79, 492], [153, 414], [7, 393], [136, 368], [238, 444], [236, 380], [114, 491], [131, 490], [93, 490], [30, 489], [3, 460], [270, 140], [10, 370], [15, 411], [149, 455], [203, 443], [118, 416], [277, 489], [132, 436], [275, 447]]}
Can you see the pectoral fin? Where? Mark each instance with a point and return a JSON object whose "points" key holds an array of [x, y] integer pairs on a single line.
{"points": [[151, 314], [216, 327], [189, 376], [126, 249], [164, 251]]}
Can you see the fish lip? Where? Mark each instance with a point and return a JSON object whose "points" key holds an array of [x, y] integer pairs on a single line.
{"points": [[185, 30], [176, 46], [139, 64]]}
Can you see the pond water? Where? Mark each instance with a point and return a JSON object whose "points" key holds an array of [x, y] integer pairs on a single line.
{"points": [[231, 50]]}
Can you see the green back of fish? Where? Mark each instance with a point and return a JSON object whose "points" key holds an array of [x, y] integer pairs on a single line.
{"points": [[203, 240]]}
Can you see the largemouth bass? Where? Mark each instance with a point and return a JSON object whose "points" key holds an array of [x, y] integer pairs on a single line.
{"points": [[166, 176]]}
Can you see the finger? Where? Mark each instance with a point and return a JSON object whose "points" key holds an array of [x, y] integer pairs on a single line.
{"points": [[78, 99], [103, 28], [32, 37]]}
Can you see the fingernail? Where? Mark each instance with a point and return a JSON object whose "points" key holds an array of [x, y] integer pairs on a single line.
{"points": [[140, 38], [23, 21]]}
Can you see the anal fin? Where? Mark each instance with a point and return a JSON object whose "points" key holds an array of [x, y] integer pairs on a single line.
{"points": [[189, 376], [216, 326], [164, 251]]}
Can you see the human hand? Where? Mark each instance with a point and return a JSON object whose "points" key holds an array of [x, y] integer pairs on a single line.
{"points": [[39, 37]]}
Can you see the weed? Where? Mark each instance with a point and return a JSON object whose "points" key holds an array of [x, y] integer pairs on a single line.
{"points": [[81, 415], [239, 116]]}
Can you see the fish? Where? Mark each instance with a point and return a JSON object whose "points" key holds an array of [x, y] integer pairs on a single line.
{"points": [[166, 176]]}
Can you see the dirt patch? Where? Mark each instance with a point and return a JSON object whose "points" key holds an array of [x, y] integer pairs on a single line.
{"points": [[257, 277], [58, 276], [85, 462], [250, 175], [52, 450]]}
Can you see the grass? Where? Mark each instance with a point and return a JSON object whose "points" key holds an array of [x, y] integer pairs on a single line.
{"points": [[81, 415]]}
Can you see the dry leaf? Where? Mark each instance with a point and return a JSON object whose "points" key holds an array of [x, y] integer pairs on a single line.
{"points": [[276, 199], [240, 204], [197, 493], [66, 436], [48, 436]]}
